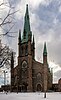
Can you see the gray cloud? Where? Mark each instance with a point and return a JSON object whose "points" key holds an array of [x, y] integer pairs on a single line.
{"points": [[47, 15]]}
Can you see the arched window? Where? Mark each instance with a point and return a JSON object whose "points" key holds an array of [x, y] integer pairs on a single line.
{"points": [[39, 77], [39, 88], [24, 69]]}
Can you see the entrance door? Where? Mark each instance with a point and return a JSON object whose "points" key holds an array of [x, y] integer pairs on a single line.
{"points": [[24, 87], [38, 87]]}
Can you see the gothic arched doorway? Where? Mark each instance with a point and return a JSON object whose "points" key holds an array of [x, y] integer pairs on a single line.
{"points": [[24, 87], [39, 87]]}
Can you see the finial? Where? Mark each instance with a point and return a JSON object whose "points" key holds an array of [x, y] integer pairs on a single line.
{"points": [[26, 8], [27, 5]]}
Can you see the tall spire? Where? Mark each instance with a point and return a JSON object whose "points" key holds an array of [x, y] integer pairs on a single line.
{"points": [[26, 30], [45, 49], [19, 36]]}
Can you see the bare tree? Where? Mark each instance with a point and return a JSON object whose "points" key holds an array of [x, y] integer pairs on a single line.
{"points": [[7, 22], [5, 56]]}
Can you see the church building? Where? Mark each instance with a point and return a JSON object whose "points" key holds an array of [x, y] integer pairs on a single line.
{"points": [[29, 75]]}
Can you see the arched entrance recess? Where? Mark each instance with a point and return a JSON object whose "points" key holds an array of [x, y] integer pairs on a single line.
{"points": [[39, 88]]}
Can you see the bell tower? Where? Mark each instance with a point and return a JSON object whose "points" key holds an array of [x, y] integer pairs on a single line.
{"points": [[25, 51]]}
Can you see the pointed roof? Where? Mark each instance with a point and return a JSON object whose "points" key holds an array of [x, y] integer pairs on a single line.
{"points": [[26, 30], [19, 36], [45, 49]]}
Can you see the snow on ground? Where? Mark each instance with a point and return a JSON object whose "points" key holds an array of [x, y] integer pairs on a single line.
{"points": [[30, 96]]}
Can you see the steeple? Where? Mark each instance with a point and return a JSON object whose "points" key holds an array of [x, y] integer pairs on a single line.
{"points": [[26, 30], [45, 49], [19, 36], [45, 54]]}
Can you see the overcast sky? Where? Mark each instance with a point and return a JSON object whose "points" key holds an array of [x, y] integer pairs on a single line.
{"points": [[45, 21]]}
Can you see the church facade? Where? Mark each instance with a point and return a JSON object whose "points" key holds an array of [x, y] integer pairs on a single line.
{"points": [[29, 75]]}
